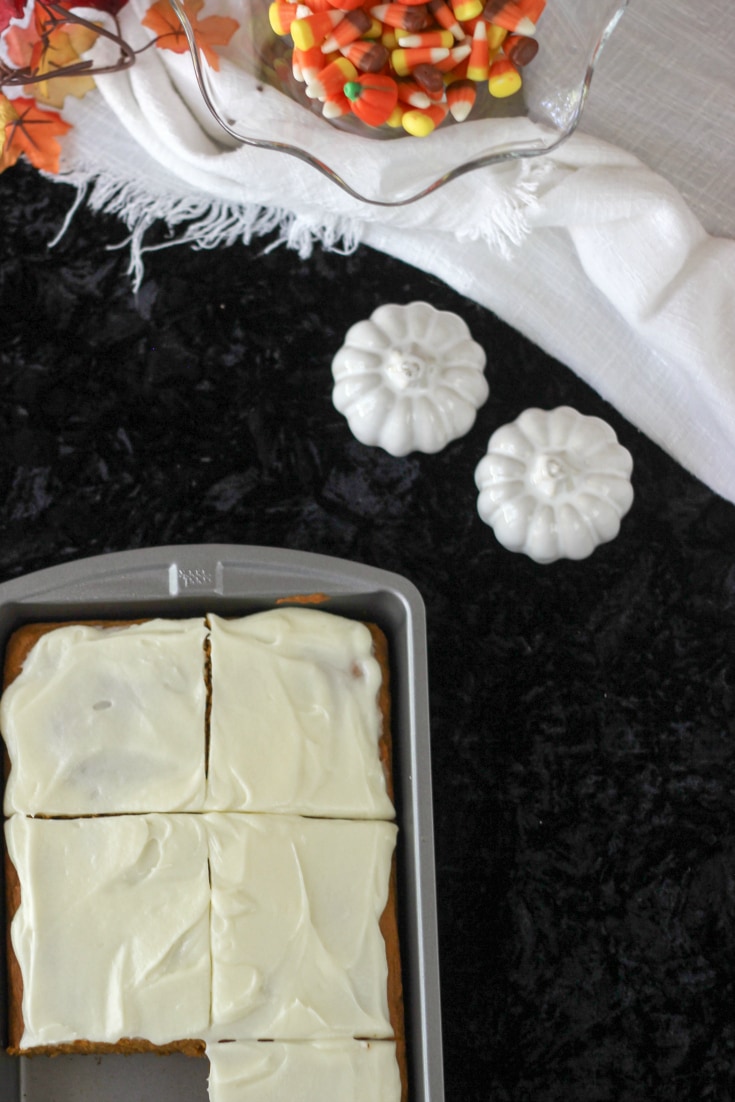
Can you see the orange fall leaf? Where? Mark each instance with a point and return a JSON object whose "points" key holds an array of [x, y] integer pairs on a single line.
{"points": [[33, 132], [213, 30]]}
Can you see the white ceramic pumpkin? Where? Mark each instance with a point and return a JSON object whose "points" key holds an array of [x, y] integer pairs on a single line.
{"points": [[409, 378], [554, 484]]}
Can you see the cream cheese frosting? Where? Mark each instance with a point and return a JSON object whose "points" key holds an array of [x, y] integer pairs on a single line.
{"points": [[108, 720], [317, 1071], [295, 722], [258, 933], [297, 951], [112, 932]]}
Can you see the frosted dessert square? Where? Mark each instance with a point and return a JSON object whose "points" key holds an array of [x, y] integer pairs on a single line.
{"points": [[310, 1071], [297, 945], [111, 934], [296, 720], [106, 719]]}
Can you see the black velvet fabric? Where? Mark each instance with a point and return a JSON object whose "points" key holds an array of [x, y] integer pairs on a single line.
{"points": [[582, 713]]}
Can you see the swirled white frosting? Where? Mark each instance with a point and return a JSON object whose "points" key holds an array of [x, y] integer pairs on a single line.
{"points": [[108, 720], [295, 721], [112, 934], [317, 1071], [297, 951], [224, 925]]}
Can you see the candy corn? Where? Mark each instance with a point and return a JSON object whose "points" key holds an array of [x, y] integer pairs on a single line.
{"points": [[281, 15], [354, 24], [368, 57], [456, 55], [409, 64], [421, 121], [428, 39], [331, 80], [508, 14], [336, 106], [478, 66], [411, 18], [504, 79], [306, 63], [430, 78], [446, 18], [520, 49], [412, 94], [533, 9], [311, 30], [495, 37], [466, 9], [461, 96], [405, 61]]}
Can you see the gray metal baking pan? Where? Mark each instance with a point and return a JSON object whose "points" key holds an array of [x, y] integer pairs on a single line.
{"points": [[233, 580]]}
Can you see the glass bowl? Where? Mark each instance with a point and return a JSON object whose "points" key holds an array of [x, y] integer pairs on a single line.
{"points": [[256, 101]]}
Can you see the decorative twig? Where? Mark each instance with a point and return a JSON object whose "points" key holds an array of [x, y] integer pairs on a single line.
{"points": [[15, 77]]}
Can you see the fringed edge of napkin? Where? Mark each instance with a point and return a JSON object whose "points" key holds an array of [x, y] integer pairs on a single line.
{"points": [[208, 221], [202, 222], [509, 224]]}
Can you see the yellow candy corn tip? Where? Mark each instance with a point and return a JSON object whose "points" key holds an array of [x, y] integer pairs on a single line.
{"points": [[275, 20], [398, 61], [496, 36], [302, 35], [416, 124], [468, 10], [507, 85]]}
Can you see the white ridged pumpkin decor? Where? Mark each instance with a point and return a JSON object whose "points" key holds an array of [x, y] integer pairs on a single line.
{"points": [[409, 378], [554, 484]]}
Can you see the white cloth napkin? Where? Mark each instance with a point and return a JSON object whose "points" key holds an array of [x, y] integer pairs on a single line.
{"points": [[589, 251]]}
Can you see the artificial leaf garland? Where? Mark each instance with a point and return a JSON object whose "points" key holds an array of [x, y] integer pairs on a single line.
{"points": [[47, 45], [42, 43]]}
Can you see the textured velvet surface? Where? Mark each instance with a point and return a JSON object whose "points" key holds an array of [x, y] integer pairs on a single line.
{"points": [[582, 713]]}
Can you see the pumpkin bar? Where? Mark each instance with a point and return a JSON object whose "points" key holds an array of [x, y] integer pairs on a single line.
{"points": [[343, 1070], [105, 719], [279, 711], [298, 723], [109, 932], [297, 946]]}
